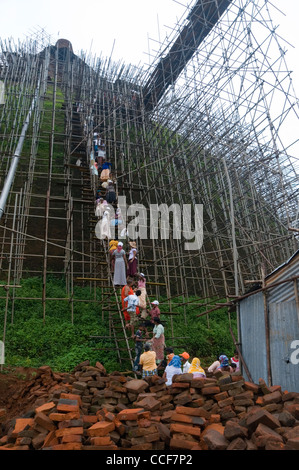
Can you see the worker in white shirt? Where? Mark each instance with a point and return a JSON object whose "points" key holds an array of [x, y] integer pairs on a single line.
{"points": [[185, 364]]}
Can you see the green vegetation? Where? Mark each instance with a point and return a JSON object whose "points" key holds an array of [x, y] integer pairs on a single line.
{"points": [[31, 342]]}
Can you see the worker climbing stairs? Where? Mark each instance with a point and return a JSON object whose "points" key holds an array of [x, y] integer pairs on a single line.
{"points": [[96, 174]]}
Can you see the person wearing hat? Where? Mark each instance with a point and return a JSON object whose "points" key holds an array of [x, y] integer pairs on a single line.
{"points": [[132, 265], [158, 340], [155, 311], [110, 192], [185, 363], [119, 278]]}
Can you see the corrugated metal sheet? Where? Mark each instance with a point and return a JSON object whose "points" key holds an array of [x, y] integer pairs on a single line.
{"points": [[284, 329], [253, 337], [283, 317], [284, 292]]}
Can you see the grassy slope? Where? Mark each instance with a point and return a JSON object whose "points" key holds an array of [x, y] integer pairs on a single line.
{"points": [[63, 345]]}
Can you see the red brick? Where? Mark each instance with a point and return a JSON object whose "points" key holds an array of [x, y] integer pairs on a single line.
{"points": [[69, 431], [196, 420], [136, 431], [132, 414], [293, 409], [100, 429], [234, 430], [292, 444], [215, 418], [263, 434], [149, 404], [145, 446], [210, 390], [101, 441], [237, 444], [182, 444], [221, 396], [182, 428], [21, 424], [45, 408], [44, 421], [72, 396], [50, 439], [198, 383], [71, 438], [64, 416], [136, 386], [119, 427], [274, 397], [67, 405], [185, 410], [258, 416], [215, 440], [90, 419], [226, 402], [180, 385], [68, 446]]}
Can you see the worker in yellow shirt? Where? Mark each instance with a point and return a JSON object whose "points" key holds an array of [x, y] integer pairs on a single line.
{"points": [[148, 362]]}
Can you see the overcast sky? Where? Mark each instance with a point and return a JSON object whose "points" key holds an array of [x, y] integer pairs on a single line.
{"points": [[98, 26], [131, 28]]}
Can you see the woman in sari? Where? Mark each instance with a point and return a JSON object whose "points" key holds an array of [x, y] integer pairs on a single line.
{"points": [[120, 265], [158, 341], [196, 369], [132, 265]]}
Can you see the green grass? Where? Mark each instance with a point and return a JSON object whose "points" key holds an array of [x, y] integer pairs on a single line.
{"points": [[57, 342]]}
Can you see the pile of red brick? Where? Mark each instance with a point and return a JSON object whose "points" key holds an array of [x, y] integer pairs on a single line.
{"points": [[93, 410]]}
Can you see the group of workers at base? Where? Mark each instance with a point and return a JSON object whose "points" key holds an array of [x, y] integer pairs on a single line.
{"points": [[147, 364]]}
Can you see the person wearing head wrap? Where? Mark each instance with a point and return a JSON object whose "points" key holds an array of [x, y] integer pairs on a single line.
{"points": [[105, 226], [120, 278], [196, 368], [172, 369], [112, 247], [158, 340], [132, 265], [224, 364], [185, 361]]}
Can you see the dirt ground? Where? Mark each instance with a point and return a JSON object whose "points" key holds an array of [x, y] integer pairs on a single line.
{"points": [[12, 382]]}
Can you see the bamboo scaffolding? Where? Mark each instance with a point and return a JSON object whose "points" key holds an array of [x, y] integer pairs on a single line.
{"points": [[213, 137]]}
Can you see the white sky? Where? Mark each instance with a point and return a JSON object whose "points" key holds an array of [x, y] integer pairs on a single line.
{"points": [[97, 25], [100, 26]]}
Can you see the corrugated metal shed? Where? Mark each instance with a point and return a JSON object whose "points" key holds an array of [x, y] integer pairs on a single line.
{"points": [[277, 364]]}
